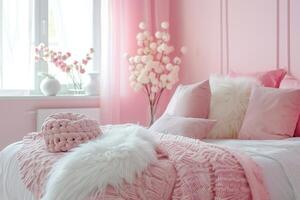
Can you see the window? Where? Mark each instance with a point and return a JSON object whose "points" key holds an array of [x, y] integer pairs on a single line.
{"points": [[65, 25]]}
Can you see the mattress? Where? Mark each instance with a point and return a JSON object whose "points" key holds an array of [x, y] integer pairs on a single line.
{"points": [[279, 160]]}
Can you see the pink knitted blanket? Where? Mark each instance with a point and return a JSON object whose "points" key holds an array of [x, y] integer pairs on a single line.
{"points": [[64, 131], [188, 170]]}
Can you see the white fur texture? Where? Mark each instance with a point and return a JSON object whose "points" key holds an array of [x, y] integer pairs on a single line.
{"points": [[120, 155], [229, 102]]}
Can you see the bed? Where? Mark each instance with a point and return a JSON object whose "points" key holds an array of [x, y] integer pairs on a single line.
{"points": [[279, 160], [183, 155]]}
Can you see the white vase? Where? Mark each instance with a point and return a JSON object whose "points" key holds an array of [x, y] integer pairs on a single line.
{"points": [[50, 86], [92, 86]]}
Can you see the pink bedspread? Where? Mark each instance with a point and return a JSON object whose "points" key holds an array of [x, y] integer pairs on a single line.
{"points": [[187, 170]]}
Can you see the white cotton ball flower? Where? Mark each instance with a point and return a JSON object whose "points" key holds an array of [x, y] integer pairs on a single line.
{"points": [[164, 46], [169, 86], [169, 50], [166, 37], [158, 34], [153, 45], [158, 69], [140, 37], [148, 67], [137, 87], [142, 25], [139, 66], [132, 77], [159, 49], [163, 77], [169, 67], [175, 68], [149, 58], [165, 25], [137, 59], [154, 89], [143, 79], [166, 59], [131, 60], [144, 59], [183, 50], [147, 50], [177, 60]]}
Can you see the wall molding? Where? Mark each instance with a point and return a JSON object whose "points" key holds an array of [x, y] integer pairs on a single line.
{"points": [[221, 37], [227, 36], [289, 36], [277, 34]]}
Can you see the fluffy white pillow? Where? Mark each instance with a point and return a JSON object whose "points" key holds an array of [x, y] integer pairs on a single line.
{"points": [[229, 101]]}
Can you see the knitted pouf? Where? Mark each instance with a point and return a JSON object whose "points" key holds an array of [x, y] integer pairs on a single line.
{"points": [[64, 131]]}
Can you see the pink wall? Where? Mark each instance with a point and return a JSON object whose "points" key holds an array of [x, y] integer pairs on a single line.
{"points": [[244, 35], [18, 116]]}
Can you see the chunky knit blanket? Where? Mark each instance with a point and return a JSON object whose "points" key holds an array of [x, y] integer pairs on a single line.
{"points": [[185, 169]]}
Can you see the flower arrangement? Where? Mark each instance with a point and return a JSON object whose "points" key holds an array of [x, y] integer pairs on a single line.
{"points": [[73, 68], [155, 67]]}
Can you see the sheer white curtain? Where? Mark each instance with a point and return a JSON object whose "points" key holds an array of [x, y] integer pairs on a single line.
{"points": [[120, 19], [70, 28], [16, 41]]}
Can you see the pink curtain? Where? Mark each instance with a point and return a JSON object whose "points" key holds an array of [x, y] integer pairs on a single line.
{"points": [[120, 19]]}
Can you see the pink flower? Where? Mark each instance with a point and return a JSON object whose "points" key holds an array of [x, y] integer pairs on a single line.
{"points": [[82, 71], [84, 61]]}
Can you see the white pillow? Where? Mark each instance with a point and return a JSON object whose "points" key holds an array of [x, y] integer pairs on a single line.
{"points": [[229, 101]]}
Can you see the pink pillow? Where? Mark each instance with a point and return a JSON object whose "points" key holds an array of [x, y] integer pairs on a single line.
{"points": [[271, 114], [197, 128], [270, 78], [291, 82], [190, 101]]}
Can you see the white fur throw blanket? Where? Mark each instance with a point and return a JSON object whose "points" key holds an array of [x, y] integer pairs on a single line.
{"points": [[116, 157]]}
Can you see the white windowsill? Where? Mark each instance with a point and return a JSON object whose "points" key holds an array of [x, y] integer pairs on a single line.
{"points": [[41, 97]]}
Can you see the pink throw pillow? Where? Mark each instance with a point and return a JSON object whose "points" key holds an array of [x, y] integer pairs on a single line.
{"points": [[291, 82], [191, 101], [196, 128], [271, 114], [270, 78]]}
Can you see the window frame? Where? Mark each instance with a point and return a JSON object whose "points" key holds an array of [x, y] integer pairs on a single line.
{"points": [[40, 35]]}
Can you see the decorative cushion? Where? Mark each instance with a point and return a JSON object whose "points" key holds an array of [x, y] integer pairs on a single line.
{"points": [[292, 82], [190, 101], [271, 114], [229, 103], [270, 78], [197, 128]]}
